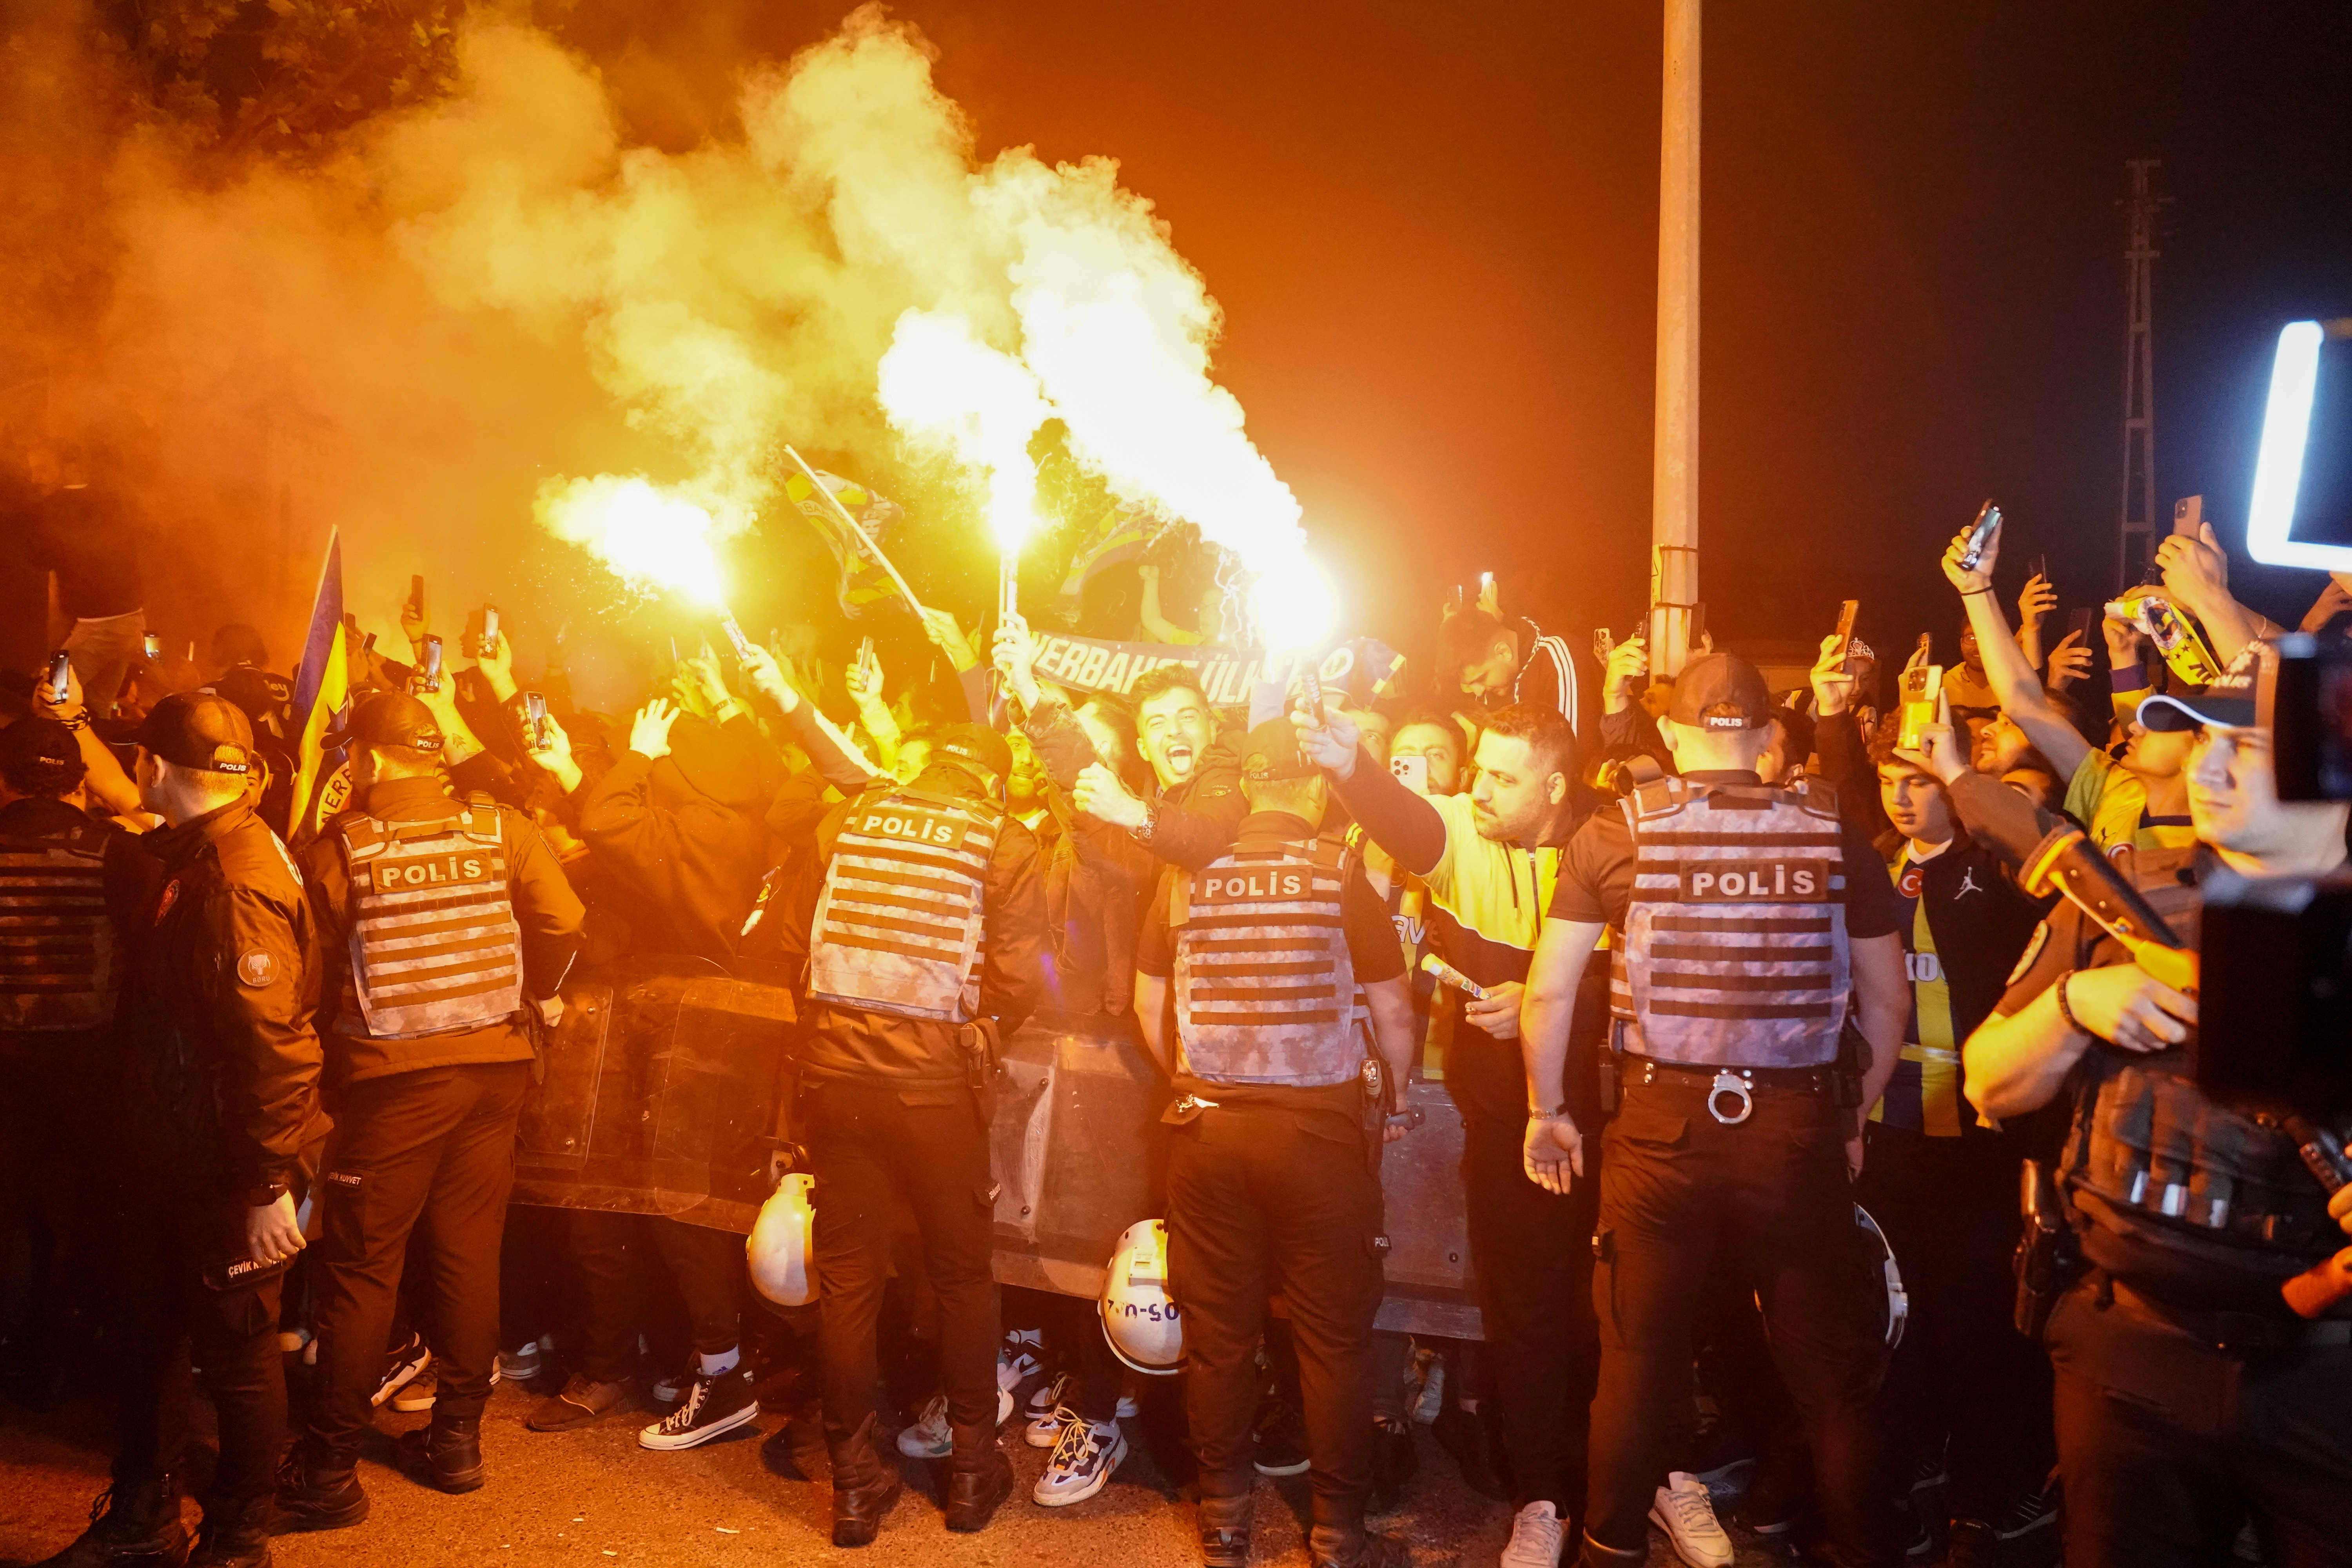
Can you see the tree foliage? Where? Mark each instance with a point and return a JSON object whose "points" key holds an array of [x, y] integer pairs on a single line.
{"points": [[282, 76]]}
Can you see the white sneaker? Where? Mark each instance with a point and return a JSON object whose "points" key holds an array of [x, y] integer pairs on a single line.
{"points": [[1535, 1538], [1683, 1508], [1085, 1455], [928, 1438], [1045, 1427]]}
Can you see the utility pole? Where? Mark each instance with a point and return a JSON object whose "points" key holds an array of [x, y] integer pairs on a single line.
{"points": [[2135, 533], [1674, 466]]}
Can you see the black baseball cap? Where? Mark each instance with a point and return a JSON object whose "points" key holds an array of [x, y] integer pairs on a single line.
{"points": [[1720, 692], [30, 743], [975, 744], [199, 729], [2235, 699], [389, 718], [1271, 752]]}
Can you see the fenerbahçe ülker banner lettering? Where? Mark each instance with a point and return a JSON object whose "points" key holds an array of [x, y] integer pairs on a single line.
{"points": [[1362, 666]]}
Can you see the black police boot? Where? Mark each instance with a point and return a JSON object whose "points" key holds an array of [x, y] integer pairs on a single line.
{"points": [[980, 1477], [134, 1523], [447, 1453], [1226, 1530], [865, 1485], [316, 1491], [234, 1535], [1352, 1546], [1596, 1555]]}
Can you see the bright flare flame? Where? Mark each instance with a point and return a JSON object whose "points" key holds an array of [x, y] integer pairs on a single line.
{"points": [[951, 392], [1292, 604], [654, 541]]}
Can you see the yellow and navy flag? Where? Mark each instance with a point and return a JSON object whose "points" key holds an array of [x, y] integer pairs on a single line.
{"points": [[1121, 535], [863, 581], [322, 699]]}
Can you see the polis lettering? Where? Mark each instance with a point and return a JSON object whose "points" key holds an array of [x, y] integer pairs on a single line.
{"points": [[914, 826], [428, 871], [1757, 883], [1258, 885]]}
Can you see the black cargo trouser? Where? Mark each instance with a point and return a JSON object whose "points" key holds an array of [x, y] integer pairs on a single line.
{"points": [[868, 1148], [2165, 1441], [175, 1224], [1532, 1253], [1948, 1206], [435, 1145], [1264, 1198], [1677, 1186]]}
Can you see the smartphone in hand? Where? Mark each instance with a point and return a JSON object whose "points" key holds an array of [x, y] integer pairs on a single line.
{"points": [[1980, 535]]}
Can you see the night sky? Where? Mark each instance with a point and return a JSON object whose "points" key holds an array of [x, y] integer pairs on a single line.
{"points": [[1433, 231]]}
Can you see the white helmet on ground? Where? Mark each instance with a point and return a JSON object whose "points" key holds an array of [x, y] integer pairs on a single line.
{"points": [[1139, 1319], [780, 1249], [1898, 1300]]}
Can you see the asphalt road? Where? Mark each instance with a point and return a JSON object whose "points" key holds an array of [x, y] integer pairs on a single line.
{"points": [[584, 1499]]}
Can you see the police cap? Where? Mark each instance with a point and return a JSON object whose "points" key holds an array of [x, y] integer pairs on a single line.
{"points": [[1271, 752], [198, 729], [974, 745], [1720, 692], [389, 718]]}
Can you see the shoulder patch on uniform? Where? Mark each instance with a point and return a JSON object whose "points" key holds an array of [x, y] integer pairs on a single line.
{"points": [[257, 968], [2033, 946]]}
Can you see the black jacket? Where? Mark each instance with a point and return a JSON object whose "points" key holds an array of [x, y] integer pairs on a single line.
{"points": [[223, 985]]}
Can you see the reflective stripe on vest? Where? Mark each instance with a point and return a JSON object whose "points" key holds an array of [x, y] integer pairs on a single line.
{"points": [[58, 968], [898, 923], [435, 945], [1265, 989], [1735, 951]]}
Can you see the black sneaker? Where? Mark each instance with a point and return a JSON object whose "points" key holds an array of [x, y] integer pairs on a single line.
{"points": [[1395, 1461], [713, 1406], [131, 1521], [1765, 1510], [1281, 1439], [403, 1365]]}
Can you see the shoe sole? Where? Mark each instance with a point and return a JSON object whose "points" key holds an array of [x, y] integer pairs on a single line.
{"points": [[1041, 1437], [409, 1405], [1673, 1544], [1102, 1479], [303, 1524], [974, 1521], [400, 1380], [652, 1437], [1300, 1469]]}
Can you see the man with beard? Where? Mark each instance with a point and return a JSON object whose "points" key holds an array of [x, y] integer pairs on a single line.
{"points": [[1489, 859], [1191, 818]]}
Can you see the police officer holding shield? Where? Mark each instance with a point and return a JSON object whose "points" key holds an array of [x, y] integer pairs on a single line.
{"points": [[926, 946], [449, 926], [1271, 1186], [1756, 931]]}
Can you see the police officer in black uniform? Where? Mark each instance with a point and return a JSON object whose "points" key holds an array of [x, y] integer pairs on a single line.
{"points": [[927, 944], [1741, 915], [2188, 1394], [67, 884], [449, 925], [221, 1126], [1273, 1181]]}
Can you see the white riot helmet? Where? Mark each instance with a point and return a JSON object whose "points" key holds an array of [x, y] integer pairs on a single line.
{"points": [[782, 1249], [1898, 1300], [1139, 1319]]}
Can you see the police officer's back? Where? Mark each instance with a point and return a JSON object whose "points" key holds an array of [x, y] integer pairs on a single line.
{"points": [[927, 943], [2188, 1394], [448, 923], [1741, 913], [1273, 1181], [221, 1125]]}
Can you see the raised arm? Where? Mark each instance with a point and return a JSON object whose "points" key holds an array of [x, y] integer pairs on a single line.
{"points": [[1401, 822], [2014, 684]]}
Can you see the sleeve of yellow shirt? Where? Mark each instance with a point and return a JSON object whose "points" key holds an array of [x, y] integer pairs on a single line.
{"points": [[2107, 799]]}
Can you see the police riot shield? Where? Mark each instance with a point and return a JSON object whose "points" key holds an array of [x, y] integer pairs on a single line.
{"points": [[1081, 1154], [657, 1094]]}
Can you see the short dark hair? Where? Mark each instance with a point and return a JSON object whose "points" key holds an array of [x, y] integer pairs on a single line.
{"points": [[1432, 719], [1796, 733], [1465, 638], [1161, 679], [1545, 731], [237, 643]]}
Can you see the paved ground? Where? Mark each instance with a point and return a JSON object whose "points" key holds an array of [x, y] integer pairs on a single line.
{"points": [[592, 1497]]}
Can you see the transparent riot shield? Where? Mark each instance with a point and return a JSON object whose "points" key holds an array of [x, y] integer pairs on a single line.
{"points": [[657, 1094]]}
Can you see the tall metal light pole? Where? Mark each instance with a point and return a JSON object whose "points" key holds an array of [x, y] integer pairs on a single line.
{"points": [[2135, 534], [1673, 471]]}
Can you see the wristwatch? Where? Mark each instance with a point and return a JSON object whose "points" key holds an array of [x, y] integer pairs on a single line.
{"points": [[1557, 1113], [262, 1196], [1151, 823]]}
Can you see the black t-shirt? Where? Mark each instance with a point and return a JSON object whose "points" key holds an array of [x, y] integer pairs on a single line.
{"points": [[1596, 872], [1373, 952]]}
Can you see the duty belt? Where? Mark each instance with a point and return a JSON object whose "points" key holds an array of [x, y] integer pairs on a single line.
{"points": [[1738, 1083], [2235, 1331]]}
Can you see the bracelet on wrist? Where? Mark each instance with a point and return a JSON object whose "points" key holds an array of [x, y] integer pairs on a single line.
{"points": [[2065, 1012], [1972, 592]]}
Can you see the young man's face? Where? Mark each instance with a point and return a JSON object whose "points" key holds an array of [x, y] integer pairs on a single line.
{"points": [[1378, 733], [1513, 795], [1172, 730], [2233, 788], [2158, 754], [1028, 780], [1108, 742], [913, 757], [1439, 746], [1485, 677], [1999, 745], [1971, 654], [1914, 802]]}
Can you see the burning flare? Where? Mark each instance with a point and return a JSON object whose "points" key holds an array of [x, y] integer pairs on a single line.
{"points": [[953, 393], [650, 540]]}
